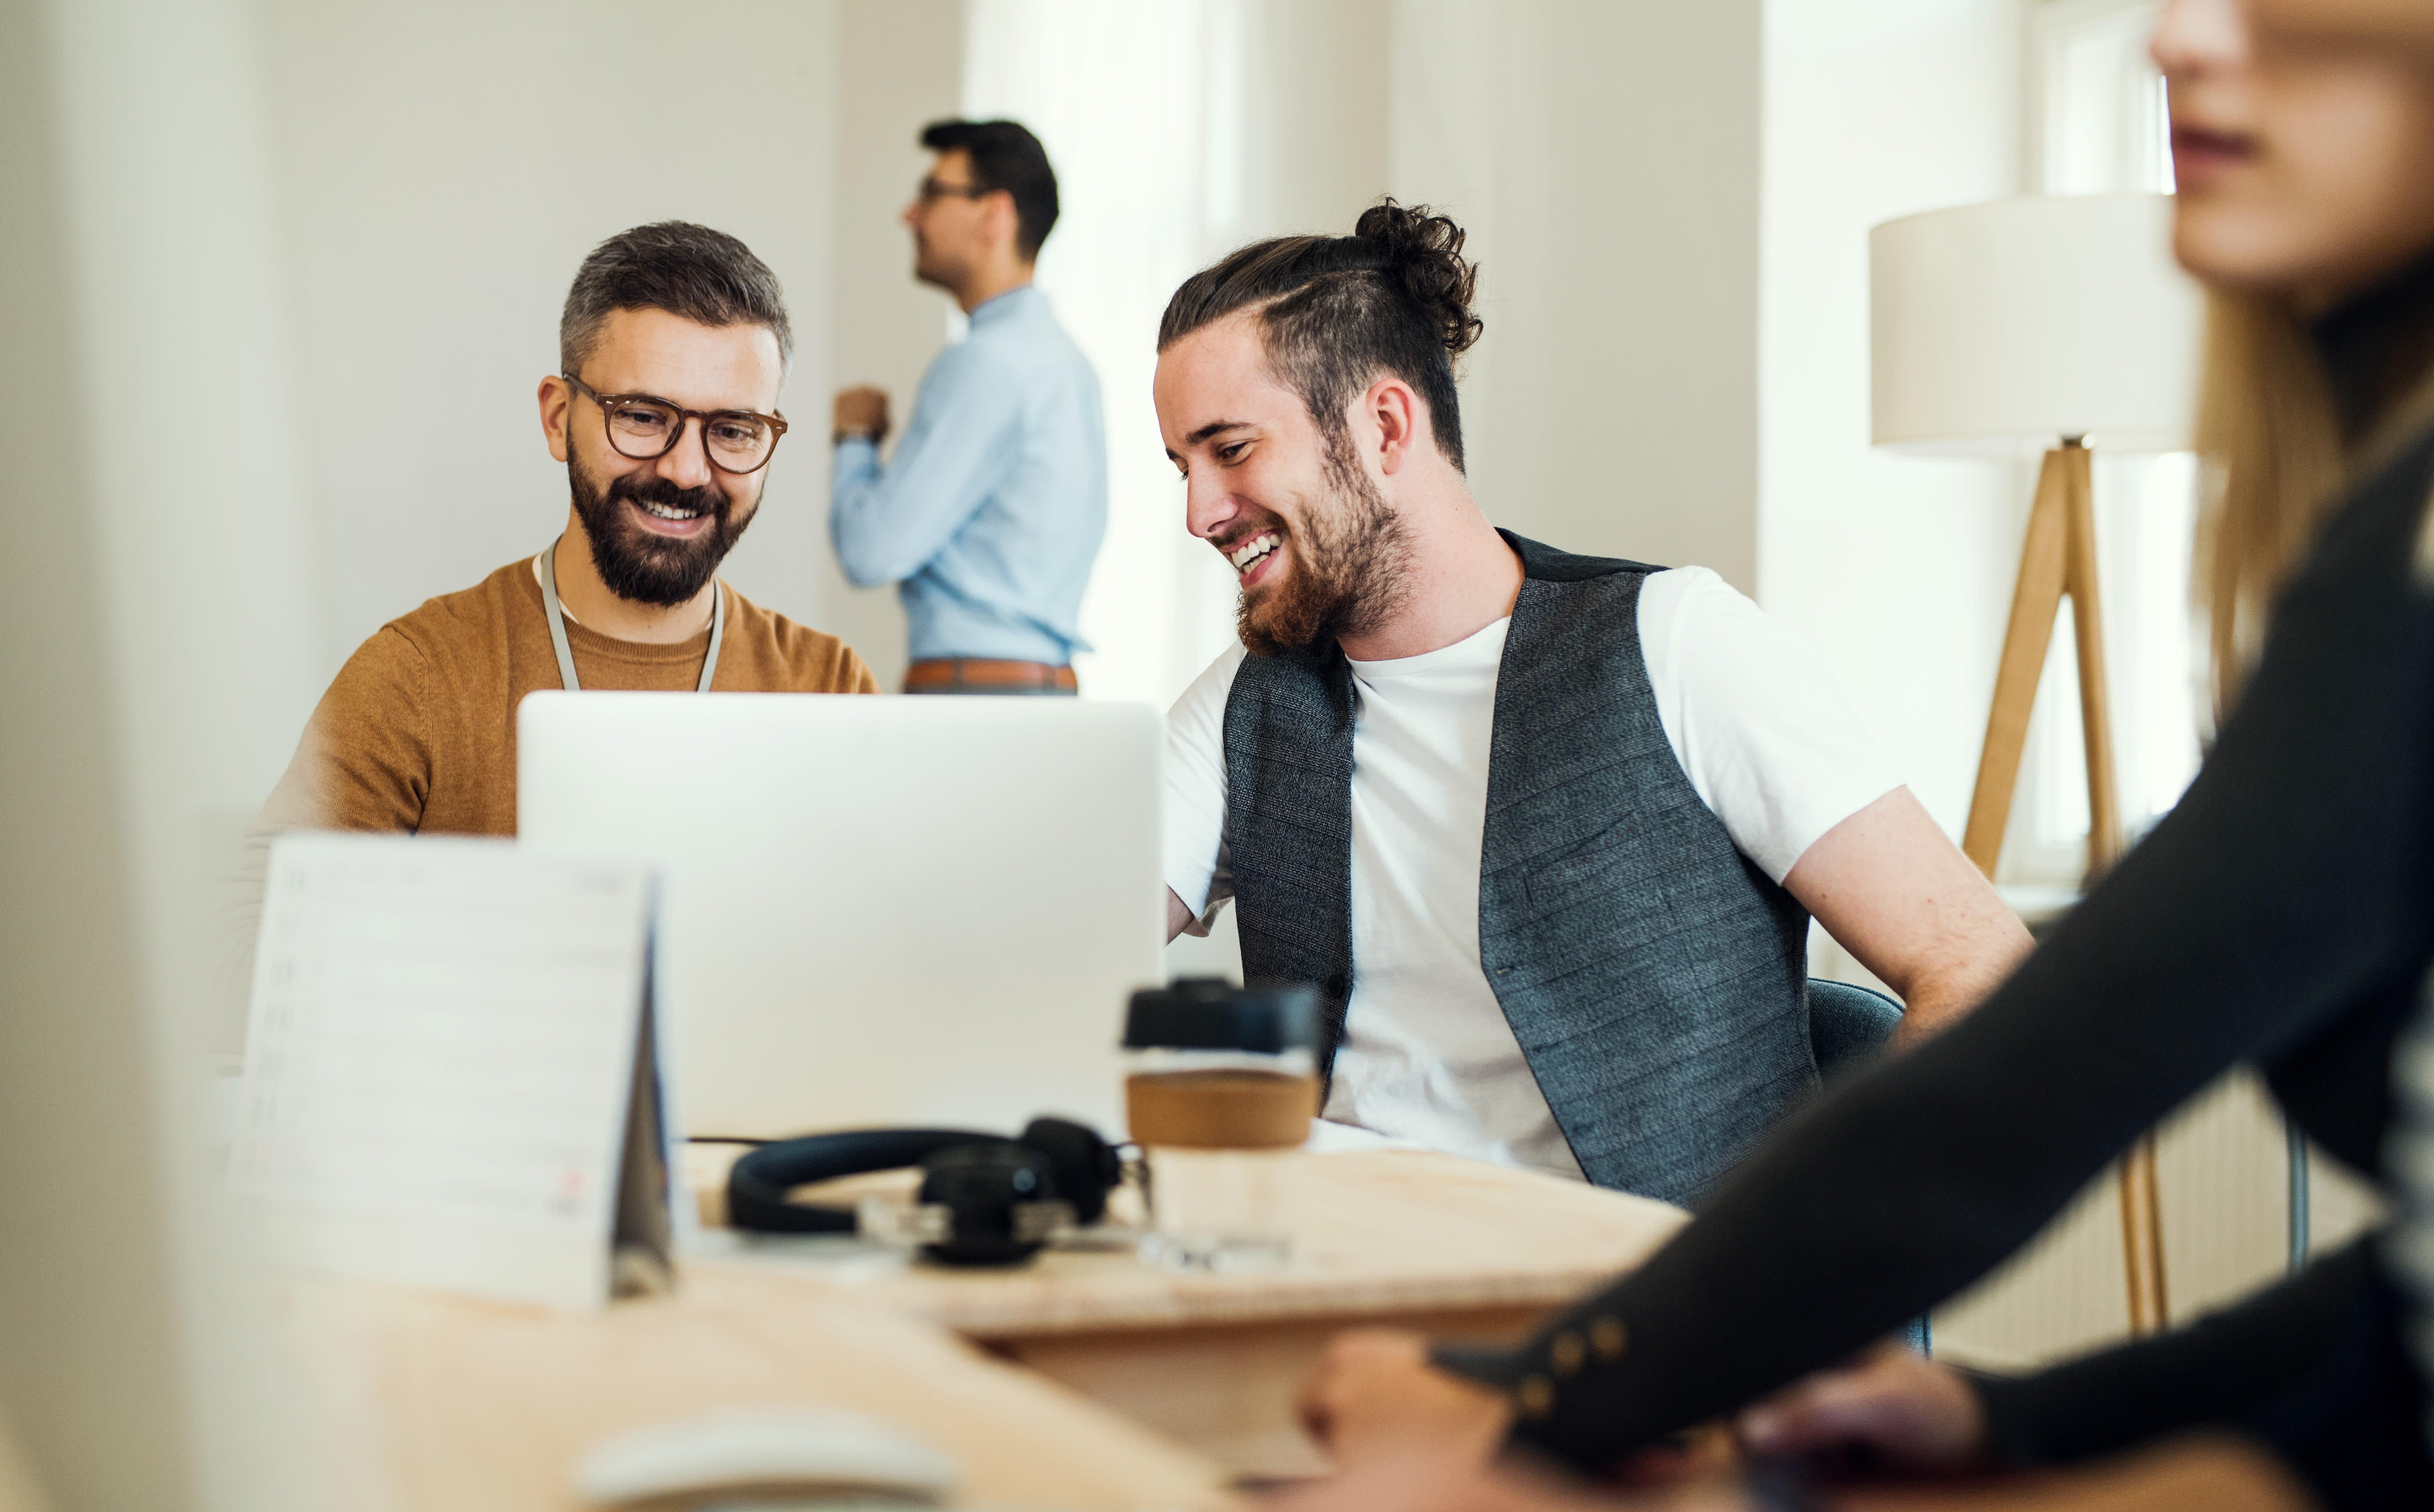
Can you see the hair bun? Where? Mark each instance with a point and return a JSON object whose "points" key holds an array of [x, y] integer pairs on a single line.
{"points": [[1424, 253]]}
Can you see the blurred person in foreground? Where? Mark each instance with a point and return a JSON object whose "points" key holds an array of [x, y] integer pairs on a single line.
{"points": [[673, 346], [2282, 914], [1547, 831], [990, 513]]}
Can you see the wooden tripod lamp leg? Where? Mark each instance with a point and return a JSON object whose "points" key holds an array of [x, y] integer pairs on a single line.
{"points": [[2035, 599], [2058, 558], [2087, 624], [2142, 1237], [2142, 1198]]}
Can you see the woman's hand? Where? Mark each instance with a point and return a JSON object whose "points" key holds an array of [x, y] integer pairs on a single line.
{"points": [[1375, 1395], [1897, 1409]]}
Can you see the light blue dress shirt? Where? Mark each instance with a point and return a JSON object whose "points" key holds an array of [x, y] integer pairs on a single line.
{"points": [[993, 508]]}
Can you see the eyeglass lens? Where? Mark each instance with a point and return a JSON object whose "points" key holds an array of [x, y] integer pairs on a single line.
{"points": [[643, 430]]}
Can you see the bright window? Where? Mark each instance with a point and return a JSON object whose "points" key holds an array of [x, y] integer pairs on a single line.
{"points": [[2098, 125]]}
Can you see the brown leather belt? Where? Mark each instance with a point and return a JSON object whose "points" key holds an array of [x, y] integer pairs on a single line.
{"points": [[978, 674]]}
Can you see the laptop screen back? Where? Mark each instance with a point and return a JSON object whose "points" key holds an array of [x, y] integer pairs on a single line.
{"points": [[873, 910]]}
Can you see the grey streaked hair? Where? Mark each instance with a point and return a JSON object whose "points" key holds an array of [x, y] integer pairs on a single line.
{"points": [[705, 276]]}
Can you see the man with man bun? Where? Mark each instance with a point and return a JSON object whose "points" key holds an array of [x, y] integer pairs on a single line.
{"points": [[1545, 830]]}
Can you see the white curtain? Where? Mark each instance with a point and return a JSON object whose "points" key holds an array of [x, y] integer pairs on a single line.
{"points": [[1139, 103]]}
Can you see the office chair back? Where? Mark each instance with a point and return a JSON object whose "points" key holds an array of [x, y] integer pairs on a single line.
{"points": [[1849, 1025]]}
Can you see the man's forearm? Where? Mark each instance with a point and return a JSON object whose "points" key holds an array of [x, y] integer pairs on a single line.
{"points": [[1895, 891], [887, 524], [857, 513], [1937, 998]]}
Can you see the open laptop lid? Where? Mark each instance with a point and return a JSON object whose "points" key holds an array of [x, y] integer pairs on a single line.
{"points": [[874, 910]]}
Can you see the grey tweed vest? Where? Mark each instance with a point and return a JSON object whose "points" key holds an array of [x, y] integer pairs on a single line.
{"points": [[1656, 980]]}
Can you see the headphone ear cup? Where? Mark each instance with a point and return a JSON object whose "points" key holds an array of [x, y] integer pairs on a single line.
{"points": [[1087, 1167], [980, 1185]]}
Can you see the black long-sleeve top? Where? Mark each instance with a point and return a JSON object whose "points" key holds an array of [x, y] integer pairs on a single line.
{"points": [[2313, 1367], [2282, 914]]}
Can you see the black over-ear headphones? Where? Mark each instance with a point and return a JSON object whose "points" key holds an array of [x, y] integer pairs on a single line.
{"points": [[985, 1200]]}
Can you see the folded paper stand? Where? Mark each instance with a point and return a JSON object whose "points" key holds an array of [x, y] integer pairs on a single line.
{"points": [[452, 1071]]}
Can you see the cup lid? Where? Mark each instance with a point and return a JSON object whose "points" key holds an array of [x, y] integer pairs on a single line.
{"points": [[1211, 1013]]}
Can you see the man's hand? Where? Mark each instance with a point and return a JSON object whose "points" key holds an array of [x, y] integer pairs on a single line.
{"points": [[1178, 916], [1906, 1412], [861, 411], [1375, 1396]]}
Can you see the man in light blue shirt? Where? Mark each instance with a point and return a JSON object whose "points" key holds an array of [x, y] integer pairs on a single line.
{"points": [[989, 515]]}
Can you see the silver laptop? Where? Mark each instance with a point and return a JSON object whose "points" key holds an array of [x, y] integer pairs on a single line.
{"points": [[874, 910]]}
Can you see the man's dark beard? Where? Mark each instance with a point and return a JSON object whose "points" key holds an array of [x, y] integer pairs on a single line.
{"points": [[1346, 575], [642, 566]]}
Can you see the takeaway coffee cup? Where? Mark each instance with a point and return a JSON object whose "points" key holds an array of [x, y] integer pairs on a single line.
{"points": [[1219, 1092]]}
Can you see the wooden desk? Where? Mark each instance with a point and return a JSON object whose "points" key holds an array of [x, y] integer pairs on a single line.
{"points": [[1404, 1238], [456, 1406]]}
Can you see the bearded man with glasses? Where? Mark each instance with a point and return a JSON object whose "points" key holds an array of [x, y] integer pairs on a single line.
{"points": [[673, 347]]}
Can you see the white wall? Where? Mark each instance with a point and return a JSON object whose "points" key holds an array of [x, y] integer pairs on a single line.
{"points": [[1139, 107], [87, 1316], [1604, 158], [1895, 570], [161, 617], [904, 68]]}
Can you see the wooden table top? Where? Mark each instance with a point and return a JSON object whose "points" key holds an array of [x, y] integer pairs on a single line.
{"points": [[463, 1407], [1384, 1233], [469, 1407]]}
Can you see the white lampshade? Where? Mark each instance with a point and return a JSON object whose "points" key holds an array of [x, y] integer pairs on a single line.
{"points": [[1999, 329]]}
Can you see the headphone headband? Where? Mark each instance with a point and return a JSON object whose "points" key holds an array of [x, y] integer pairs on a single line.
{"points": [[757, 1184], [997, 1199]]}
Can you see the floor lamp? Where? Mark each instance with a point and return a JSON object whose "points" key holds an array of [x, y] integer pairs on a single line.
{"points": [[2060, 325]]}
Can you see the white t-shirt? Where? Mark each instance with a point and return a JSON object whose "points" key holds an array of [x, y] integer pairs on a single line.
{"points": [[1766, 738]]}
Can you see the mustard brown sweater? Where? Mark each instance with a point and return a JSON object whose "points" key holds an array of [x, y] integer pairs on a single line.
{"points": [[418, 733]]}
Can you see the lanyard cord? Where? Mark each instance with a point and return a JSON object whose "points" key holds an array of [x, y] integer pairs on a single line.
{"points": [[566, 678]]}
